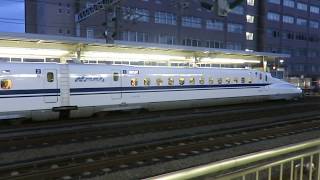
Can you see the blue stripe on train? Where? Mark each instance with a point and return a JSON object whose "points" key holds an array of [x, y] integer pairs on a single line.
{"points": [[29, 91], [147, 88], [114, 90]]}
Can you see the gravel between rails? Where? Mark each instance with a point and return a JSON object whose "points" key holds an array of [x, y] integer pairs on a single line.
{"points": [[175, 165], [29, 154]]}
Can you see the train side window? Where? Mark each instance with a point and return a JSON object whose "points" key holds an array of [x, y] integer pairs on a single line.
{"points": [[228, 80], [181, 81], [260, 77], [266, 78], [147, 81], [211, 81], [249, 80], [201, 80], [219, 80], [235, 80], [243, 80], [50, 77], [159, 82], [6, 84], [134, 82], [170, 81], [192, 81], [115, 76]]}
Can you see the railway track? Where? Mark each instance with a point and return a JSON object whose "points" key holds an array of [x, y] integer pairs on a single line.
{"points": [[99, 162], [13, 142]]}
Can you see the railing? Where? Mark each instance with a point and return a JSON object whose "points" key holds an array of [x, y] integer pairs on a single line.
{"points": [[295, 162]]}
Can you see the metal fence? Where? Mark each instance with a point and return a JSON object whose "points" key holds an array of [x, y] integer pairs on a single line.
{"points": [[294, 162]]}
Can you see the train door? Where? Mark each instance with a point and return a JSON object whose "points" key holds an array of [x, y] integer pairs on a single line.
{"points": [[50, 83], [116, 83]]}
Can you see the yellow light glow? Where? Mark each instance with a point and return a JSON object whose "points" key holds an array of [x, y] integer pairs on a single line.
{"points": [[229, 61], [32, 52], [130, 56]]}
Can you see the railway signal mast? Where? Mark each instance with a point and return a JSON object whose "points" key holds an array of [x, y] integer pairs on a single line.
{"points": [[220, 7]]}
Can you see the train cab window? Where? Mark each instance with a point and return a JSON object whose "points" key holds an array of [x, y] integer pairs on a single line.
{"points": [[243, 80], [50, 77], [6, 84], [211, 81], [181, 81], [219, 80], [147, 81], [115, 76], [192, 81], [201, 80], [228, 80], [134, 82], [170, 81], [235, 80], [159, 82]]}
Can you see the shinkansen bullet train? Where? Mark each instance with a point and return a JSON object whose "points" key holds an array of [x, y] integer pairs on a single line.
{"points": [[48, 91]]}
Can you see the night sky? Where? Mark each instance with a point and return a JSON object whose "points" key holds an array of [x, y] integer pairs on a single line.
{"points": [[12, 16]]}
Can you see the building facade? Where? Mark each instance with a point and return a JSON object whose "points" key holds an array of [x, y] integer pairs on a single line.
{"points": [[280, 26]]}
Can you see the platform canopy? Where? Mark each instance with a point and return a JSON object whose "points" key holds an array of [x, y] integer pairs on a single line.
{"points": [[62, 49]]}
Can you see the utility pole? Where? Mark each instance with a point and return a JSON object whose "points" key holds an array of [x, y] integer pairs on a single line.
{"points": [[112, 16]]}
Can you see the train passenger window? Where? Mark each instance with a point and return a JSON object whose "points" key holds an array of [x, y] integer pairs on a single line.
{"points": [[6, 84], [219, 80], [228, 80], [115, 76], [134, 82], [50, 77], [211, 81], [235, 80], [201, 80], [243, 80], [192, 81], [181, 81], [260, 77], [159, 82], [147, 81], [170, 81], [266, 78]]}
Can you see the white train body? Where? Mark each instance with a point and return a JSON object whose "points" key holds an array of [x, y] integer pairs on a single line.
{"points": [[43, 91]]}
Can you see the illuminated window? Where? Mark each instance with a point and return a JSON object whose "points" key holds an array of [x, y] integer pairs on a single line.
{"points": [[6, 84], [181, 81], [50, 77], [219, 80], [201, 80], [243, 80], [235, 80], [147, 81], [192, 81], [170, 81], [159, 82], [249, 36], [211, 81], [250, 19], [115, 76], [228, 80], [134, 82], [250, 2]]}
